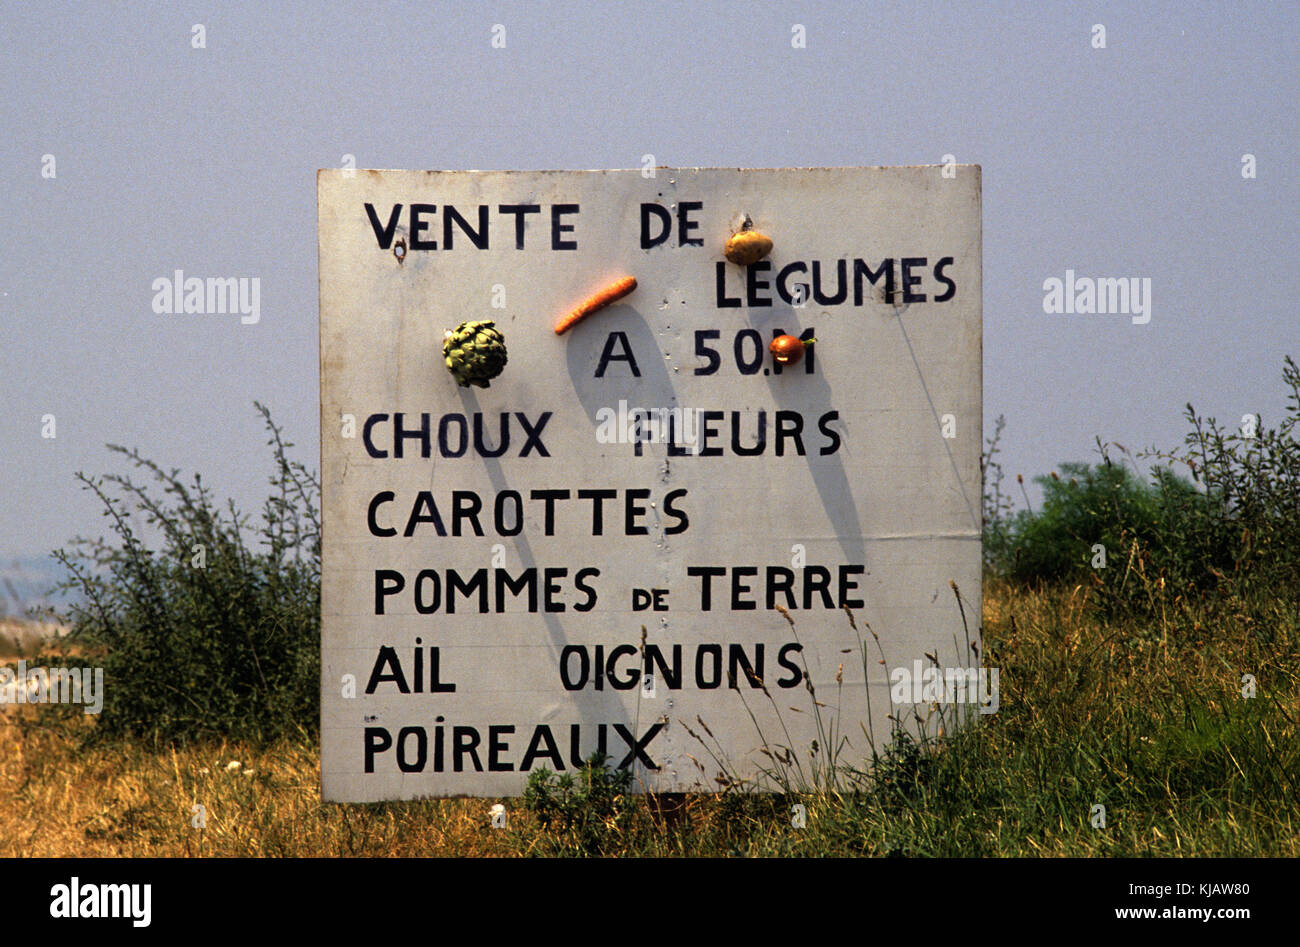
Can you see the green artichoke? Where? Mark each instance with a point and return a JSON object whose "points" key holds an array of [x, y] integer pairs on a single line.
{"points": [[475, 353]]}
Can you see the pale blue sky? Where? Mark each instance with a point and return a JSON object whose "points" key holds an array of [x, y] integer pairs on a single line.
{"points": [[1123, 161]]}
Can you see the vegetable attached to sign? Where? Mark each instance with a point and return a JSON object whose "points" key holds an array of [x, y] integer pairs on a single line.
{"points": [[788, 349], [475, 353], [747, 245], [597, 301]]}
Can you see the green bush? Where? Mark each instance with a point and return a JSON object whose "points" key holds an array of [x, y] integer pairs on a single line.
{"points": [[203, 636], [1233, 529], [584, 812], [1104, 505], [1245, 535]]}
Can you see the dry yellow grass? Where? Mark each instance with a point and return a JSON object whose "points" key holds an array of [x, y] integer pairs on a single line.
{"points": [[20, 636], [132, 802], [128, 801], [1091, 710]]}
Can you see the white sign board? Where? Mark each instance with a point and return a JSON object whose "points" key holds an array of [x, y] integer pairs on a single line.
{"points": [[592, 552]]}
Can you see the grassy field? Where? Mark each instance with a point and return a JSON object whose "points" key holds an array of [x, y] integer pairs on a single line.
{"points": [[1148, 720]]}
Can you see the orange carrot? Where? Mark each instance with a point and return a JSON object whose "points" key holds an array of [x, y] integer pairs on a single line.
{"points": [[597, 301]]}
